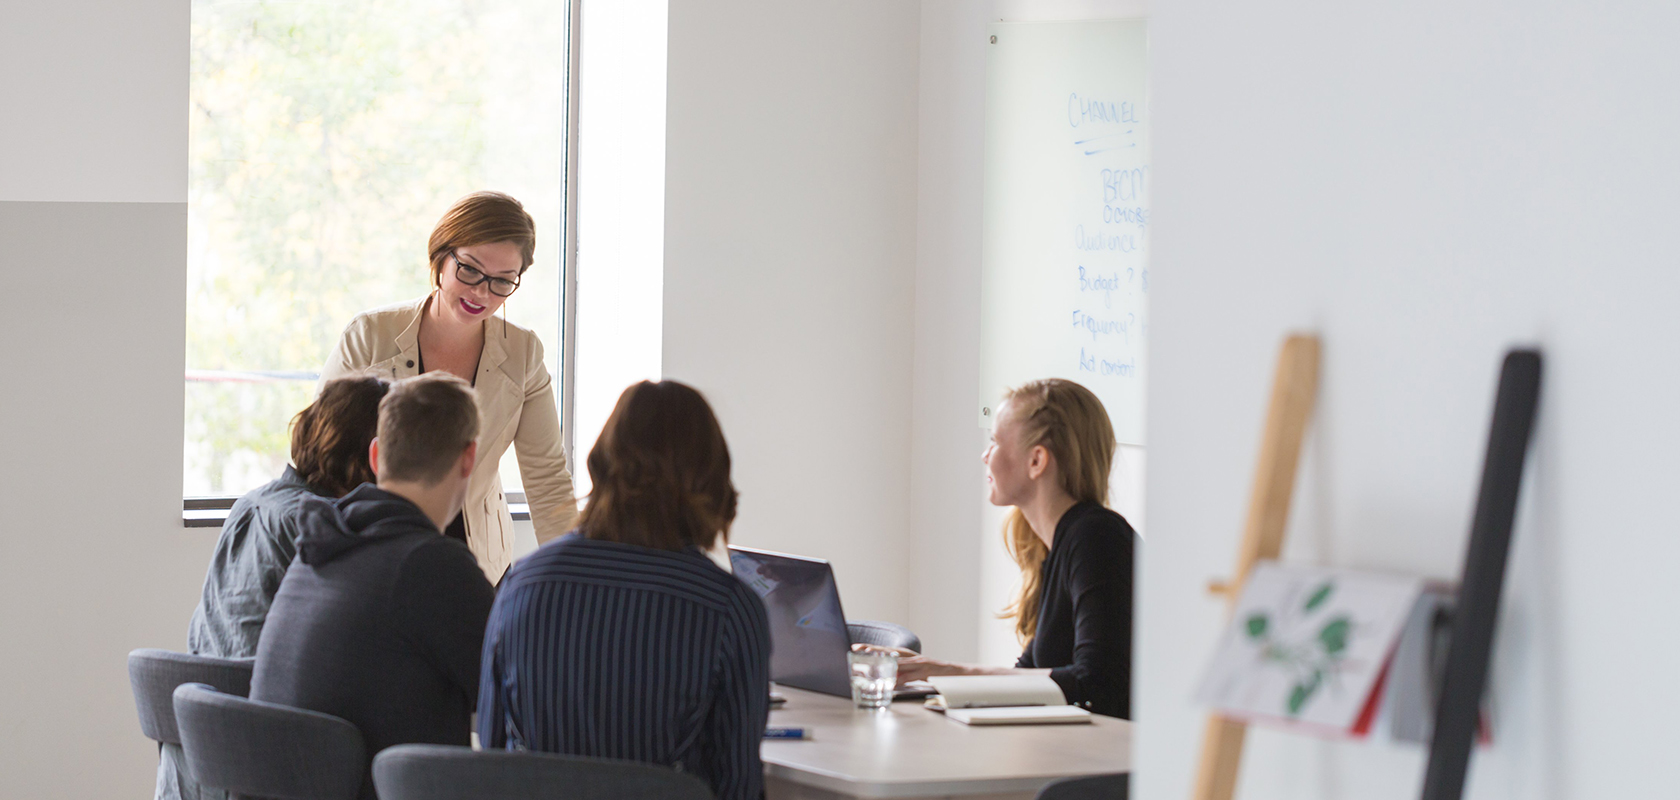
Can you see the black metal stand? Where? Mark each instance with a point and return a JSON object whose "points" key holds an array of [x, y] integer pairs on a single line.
{"points": [[1471, 645]]}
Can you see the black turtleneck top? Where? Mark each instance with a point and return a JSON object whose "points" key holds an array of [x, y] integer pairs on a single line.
{"points": [[1085, 610]]}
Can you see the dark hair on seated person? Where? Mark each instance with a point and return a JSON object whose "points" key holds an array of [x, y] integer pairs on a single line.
{"points": [[661, 472], [330, 437]]}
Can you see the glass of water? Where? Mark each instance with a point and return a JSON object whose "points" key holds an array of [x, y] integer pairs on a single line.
{"points": [[874, 673]]}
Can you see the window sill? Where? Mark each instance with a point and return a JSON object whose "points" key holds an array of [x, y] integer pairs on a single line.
{"points": [[211, 512]]}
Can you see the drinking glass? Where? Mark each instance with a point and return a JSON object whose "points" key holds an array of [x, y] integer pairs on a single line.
{"points": [[874, 673]]}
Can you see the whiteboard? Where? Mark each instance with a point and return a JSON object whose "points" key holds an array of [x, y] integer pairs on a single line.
{"points": [[1065, 252]]}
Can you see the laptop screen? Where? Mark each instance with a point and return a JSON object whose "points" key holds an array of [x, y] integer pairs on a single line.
{"points": [[808, 638]]}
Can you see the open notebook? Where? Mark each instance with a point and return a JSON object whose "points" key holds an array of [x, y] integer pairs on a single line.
{"points": [[1003, 700]]}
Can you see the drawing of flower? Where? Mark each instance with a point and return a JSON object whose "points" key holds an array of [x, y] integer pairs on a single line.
{"points": [[1313, 658]]}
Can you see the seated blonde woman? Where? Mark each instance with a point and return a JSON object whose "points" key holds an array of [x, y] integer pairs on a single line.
{"points": [[1052, 448]]}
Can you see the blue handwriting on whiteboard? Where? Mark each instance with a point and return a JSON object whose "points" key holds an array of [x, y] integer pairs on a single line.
{"points": [[1104, 143], [1084, 111], [1123, 185], [1123, 195], [1138, 216], [1099, 327], [1107, 284], [1088, 362], [1103, 140], [1095, 242]]}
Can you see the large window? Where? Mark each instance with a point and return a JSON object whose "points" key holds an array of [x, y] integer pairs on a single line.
{"points": [[326, 140], [621, 209]]}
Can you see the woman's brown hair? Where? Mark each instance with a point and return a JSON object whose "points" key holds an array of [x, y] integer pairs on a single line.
{"points": [[482, 218], [661, 472], [330, 437], [1069, 421]]}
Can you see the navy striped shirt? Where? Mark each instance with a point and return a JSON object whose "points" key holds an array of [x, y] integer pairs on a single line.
{"points": [[612, 650]]}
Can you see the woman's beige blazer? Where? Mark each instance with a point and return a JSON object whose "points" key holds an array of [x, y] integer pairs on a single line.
{"points": [[515, 406]]}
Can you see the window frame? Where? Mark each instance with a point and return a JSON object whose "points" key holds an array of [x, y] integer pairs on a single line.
{"points": [[212, 511]]}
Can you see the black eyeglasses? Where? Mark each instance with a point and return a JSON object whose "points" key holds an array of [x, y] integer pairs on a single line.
{"points": [[472, 276]]}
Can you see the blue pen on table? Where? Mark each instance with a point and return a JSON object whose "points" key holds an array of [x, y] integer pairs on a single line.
{"points": [[787, 733]]}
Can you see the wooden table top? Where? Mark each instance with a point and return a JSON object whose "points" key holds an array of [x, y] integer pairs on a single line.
{"points": [[909, 751]]}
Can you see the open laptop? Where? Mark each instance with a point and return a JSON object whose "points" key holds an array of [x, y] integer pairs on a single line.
{"points": [[808, 636]]}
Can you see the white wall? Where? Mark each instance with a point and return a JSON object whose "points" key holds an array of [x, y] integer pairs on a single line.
{"points": [[1424, 184], [947, 480], [95, 94], [93, 559], [789, 256]]}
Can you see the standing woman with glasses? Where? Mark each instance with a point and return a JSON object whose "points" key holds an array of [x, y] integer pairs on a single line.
{"points": [[479, 250]]}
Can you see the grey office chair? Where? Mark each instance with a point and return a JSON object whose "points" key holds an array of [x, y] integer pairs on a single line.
{"points": [[246, 747], [154, 674], [868, 631], [441, 772], [1090, 787]]}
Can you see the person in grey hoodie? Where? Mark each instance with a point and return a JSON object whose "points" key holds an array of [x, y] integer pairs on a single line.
{"points": [[380, 620]]}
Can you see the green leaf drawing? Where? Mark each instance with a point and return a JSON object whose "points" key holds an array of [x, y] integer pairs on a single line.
{"points": [[1303, 691], [1256, 626], [1334, 635], [1317, 599]]}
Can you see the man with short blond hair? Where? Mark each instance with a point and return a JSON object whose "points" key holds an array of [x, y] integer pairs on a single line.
{"points": [[428, 423], [380, 620]]}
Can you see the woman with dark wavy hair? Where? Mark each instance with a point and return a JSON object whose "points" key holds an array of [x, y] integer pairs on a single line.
{"points": [[329, 458], [624, 640]]}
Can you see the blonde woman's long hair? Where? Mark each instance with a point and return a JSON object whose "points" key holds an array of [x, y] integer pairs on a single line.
{"points": [[1069, 421]]}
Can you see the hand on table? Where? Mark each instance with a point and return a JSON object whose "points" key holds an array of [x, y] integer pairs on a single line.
{"points": [[913, 666]]}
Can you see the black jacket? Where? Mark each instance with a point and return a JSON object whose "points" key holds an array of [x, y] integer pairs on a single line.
{"points": [[380, 620]]}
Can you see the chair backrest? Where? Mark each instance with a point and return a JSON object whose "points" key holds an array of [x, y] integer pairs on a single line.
{"points": [[887, 634], [1090, 787], [154, 674], [253, 748], [441, 772]]}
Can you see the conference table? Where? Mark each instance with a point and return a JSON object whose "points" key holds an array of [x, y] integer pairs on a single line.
{"points": [[909, 751]]}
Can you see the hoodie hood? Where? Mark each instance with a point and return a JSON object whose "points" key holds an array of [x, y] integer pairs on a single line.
{"points": [[366, 515]]}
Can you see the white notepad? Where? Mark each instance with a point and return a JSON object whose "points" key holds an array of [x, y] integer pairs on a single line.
{"points": [[1004, 700], [1021, 715], [985, 691]]}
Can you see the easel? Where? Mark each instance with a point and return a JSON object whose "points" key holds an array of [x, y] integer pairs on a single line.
{"points": [[1293, 390], [1470, 649]]}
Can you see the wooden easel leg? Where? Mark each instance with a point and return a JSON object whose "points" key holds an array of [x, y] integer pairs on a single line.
{"points": [[1293, 391], [1217, 777]]}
